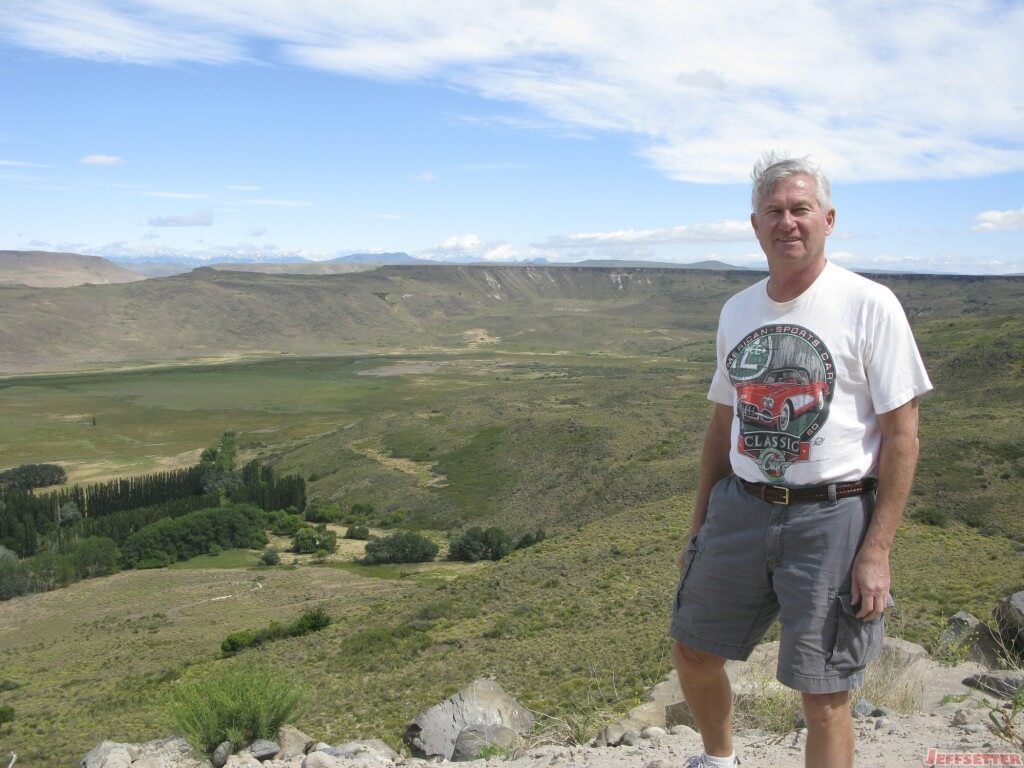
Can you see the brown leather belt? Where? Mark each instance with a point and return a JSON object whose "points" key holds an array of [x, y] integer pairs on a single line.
{"points": [[781, 494]]}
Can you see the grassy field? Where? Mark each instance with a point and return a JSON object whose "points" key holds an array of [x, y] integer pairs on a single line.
{"points": [[586, 419]]}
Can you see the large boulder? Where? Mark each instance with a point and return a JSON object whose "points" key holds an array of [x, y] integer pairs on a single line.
{"points": [[293, 742], [107, 754], [1002, 682], [480, 705], [1009, 613], [174, 751]]}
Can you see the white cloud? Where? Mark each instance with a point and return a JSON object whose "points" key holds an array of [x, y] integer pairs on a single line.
{"points": [[101, 160], [992, 221], [874, 90], [197, 219], [424, 176], [281, 203], [729, 230], [18, 164]]}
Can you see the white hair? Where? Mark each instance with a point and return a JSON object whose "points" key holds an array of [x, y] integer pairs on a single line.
{"points": [[773, 167]]}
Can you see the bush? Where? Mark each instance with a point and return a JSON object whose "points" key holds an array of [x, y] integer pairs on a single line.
{"points": [[29, 476], [180, 538], [270, 556], [312, 620], [285, 524], [931, 516], [360, 532], [479, 544], [323, 513], [529, 539], [239, 704], [96, 556], [401, 547], [6, 715], [310, 540]]}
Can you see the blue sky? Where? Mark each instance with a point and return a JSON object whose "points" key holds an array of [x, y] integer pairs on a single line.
{"points": [[508, 130]]}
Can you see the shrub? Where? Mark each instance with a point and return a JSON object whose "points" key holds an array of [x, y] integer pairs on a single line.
{"points": [[285, 524], [479, 544], [931, 516], [312, 620], [323, 513], [238, 703], [215, 550], [401, 547], [309, 540], [96, 556], [529, 539], [270, 556], [6, 715], [180, 538], [360, 532]]}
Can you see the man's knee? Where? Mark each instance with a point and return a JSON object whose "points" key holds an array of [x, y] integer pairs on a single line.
{"points": [[692, 661], [824, 709]]}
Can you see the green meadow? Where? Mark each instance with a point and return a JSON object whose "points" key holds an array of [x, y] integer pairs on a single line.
{"points": [[600, 448]]}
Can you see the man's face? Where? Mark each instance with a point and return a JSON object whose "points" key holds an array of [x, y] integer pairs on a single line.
{"points": [[790, 224]]}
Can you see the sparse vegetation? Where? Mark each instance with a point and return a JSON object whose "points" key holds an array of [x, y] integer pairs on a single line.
{"points": [[312, 620]]}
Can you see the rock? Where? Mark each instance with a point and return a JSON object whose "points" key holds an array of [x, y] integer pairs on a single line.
{"points": [[375, 749], [221, 754], [262, 749], [973, 728], [682, 730], [320, 746], [242, 760], [862, 708], [322, 760], [1000, 682], [472, 741], [174, 751], [901, 653], [883, 712], [653, 732], [965, 630], [960, 717], [659, 764], [630, 738], [1009, 613], [882, 722], [482, 703], [293, 742], [612, 735], [107, 754], [679, 714]]}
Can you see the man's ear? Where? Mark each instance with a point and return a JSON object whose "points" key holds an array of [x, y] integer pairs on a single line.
{"points": [[830, 221], [753, 222]]}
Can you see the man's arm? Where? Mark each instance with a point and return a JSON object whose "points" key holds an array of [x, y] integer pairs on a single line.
{"points": [[897, 461], [714, 465]]}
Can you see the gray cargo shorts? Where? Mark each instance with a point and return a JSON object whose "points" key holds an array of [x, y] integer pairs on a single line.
{"points": [[753, 561]]}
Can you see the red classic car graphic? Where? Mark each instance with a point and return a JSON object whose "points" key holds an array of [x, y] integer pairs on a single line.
{"points": [[780, 396]]}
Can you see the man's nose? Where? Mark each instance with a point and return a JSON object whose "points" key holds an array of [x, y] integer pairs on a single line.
{"points": [[788, 220]]}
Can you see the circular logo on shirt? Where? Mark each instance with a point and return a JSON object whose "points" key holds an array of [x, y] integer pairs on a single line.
{"points": [[784, 377]]}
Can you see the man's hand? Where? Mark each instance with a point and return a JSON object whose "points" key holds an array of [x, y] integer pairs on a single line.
{"points": [[870, 582]]}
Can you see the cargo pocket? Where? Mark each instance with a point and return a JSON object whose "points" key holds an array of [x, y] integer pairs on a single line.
{"points": [[692, 553], [856, 642]]}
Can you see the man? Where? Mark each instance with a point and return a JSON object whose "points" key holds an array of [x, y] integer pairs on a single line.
{"points": [[806, 467]]}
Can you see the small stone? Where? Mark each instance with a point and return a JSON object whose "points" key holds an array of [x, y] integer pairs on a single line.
{"points": [[630, 738], [974, 728], [682, 730], [293, 742], [881, 723], [883, 712], [221, 754], [659, 764], [652, 732], [242, 760], [862, 708], [959, 717], [321, 760], [262, 749]]}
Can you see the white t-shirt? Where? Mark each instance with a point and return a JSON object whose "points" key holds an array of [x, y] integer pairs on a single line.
{"points": [[807, 378]]}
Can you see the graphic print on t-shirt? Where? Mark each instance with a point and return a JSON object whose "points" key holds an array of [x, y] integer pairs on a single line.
{"points": [[784, 377]]}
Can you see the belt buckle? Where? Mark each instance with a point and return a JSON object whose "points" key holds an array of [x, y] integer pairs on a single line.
{"points": [[785, 494]]}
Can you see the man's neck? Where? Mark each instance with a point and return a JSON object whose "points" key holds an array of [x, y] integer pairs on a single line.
{"points": [[785, 286]]}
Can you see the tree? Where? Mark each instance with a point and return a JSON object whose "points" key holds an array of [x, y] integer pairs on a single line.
{"points": [[68, 513], [96, 556], [479, 544]]}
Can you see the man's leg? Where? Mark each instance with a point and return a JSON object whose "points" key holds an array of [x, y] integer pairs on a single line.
{"points": [[829, 730], [708, 694]]}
